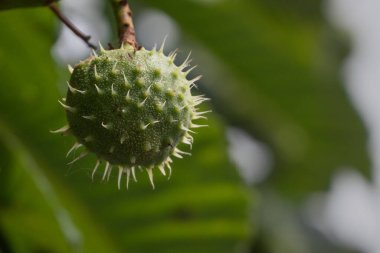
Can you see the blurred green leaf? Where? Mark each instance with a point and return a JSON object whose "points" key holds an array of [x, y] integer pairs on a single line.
{"points": [[280, 83], [202, 208], [36, 218], [11, 4]]}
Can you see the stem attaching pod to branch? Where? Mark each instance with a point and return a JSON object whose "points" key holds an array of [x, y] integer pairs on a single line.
{"points": [[126, 28]]}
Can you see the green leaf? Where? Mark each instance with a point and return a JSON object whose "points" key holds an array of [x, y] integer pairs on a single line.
{"points": [[202, 208], [11, 4], [36, 209], [279, 81]]}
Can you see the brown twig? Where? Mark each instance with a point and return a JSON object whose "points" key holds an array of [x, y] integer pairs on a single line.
{"points": [[86, 38], [125, 23]]}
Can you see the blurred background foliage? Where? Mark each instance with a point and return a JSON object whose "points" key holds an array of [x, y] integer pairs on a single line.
{"points": [[273, 73]]}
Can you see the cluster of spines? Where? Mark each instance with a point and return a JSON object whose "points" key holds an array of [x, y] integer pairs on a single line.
{"points": [[128, 171]]}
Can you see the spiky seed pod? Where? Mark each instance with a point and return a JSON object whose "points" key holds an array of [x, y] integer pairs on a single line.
{"points": [[131, 108]]}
